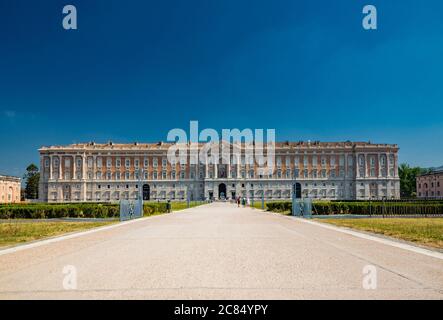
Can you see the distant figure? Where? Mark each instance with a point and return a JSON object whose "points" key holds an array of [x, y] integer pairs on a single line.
{"points": [[238, 202], [248, 202]]}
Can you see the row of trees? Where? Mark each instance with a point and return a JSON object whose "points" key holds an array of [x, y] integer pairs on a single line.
{"points": [[407, 175]]}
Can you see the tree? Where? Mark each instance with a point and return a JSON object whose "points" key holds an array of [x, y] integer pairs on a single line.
{"points": [[408, 187], [32, 177]]}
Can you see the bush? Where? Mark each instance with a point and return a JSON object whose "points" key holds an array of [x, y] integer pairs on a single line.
{"points": [[48, 211], [365, 208]]}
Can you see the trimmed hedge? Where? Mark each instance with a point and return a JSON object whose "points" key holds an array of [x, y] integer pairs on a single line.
{"points": [[81, 210], [48, 211], [365, 208]]}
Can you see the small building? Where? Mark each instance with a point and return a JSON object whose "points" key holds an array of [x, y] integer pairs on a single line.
{"points": [[9, 189], [430, 185]]}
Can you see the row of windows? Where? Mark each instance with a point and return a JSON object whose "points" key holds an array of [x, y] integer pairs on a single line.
{"points": [[429, 194], [425, 185], [296, 160]]}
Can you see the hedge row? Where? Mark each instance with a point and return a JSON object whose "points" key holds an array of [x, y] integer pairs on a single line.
{"points": [[90, 210], [364, 208], [48, 211]]}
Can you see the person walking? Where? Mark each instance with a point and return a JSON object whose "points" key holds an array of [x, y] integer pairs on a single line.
{"points": [[238, 202]]}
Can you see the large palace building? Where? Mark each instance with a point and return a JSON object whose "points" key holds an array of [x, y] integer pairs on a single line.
{"points": [[9, 189], [109, 172]]}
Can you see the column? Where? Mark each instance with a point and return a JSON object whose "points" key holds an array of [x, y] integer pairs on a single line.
{"points": [[74, 165], [206, 169], [238, 165], [215, 170], [60, 167], [84, 176], [51, 170]]}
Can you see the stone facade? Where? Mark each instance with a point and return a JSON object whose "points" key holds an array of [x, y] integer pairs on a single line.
{"points": [[430, 185], [109, 172], [9, 189]]}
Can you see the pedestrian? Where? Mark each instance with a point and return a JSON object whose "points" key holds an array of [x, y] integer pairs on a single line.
{"points": [[238, 202]]}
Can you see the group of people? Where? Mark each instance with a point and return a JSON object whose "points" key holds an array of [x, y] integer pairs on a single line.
{"points": [[243, 201]]}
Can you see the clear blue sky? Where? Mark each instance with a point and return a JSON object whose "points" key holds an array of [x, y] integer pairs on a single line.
{"points": [[136, 69]]}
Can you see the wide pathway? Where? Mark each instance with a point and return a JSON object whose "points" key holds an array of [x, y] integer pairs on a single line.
{"points": [[218, 251]]}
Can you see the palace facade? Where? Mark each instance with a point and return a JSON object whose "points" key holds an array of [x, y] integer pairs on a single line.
{"points": [[430, 185], [109, 172], [9, 189]]}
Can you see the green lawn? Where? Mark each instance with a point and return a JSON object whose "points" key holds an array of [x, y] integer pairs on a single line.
{"points": [[13, 233], [425, 231]]}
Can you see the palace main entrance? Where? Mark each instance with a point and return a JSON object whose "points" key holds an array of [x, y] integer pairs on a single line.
{"points": [[222, 191]]}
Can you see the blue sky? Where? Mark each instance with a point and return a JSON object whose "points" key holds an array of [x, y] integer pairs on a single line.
{"points": [[136, 69]]}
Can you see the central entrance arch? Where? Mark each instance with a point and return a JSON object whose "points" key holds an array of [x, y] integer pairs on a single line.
{"points": [[146, 192], [222, 191]]}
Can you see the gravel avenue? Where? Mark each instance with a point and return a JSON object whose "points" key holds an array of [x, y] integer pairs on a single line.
{"points": [[218, 251]]}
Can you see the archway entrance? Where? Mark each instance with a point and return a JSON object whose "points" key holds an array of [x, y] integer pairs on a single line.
{"points": [[146, 192], [222, 191]]}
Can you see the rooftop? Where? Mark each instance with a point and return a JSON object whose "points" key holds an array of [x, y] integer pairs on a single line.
{"points": [[165, 145]]}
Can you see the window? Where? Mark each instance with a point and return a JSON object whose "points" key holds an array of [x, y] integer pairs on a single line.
{"points": [[323, 161], [99, 175], [296, 161], [79, 163], [90, 162], [155, 175], [127, 163], [136, 163], [108, 175], [288, 161], [46, 162], [109, 162], [117, 175], [146, 175], [127, 175], [118, 162], [146, 163], [99, 162]]}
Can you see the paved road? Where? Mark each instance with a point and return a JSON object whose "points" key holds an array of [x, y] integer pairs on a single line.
{"points": [[219, 251]]}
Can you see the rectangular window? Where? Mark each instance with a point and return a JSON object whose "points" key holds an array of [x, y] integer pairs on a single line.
{"points": [[109, 162], [127, 163], [99, 162], [118, 163]]}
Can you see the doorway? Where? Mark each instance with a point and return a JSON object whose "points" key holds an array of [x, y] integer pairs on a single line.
{"points": [[222, 191], [146, 192]]}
